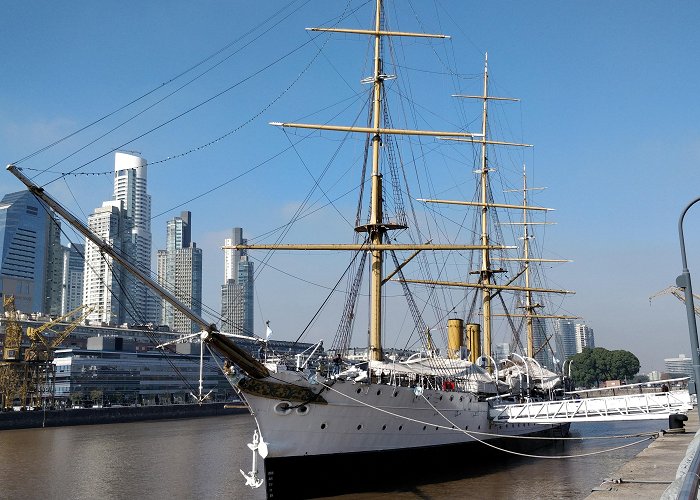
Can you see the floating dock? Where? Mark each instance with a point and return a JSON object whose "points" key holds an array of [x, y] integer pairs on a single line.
{"points": [[654, 469]]}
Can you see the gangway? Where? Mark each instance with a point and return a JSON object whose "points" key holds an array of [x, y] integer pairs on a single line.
{"points": [[646, 406]]}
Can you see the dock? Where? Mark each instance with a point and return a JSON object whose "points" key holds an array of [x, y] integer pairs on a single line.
{"points": [[654, 469]]}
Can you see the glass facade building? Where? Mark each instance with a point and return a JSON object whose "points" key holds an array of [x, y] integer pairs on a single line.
{"points": [[29, 253]]}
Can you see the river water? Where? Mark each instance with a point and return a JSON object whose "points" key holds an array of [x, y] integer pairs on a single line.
{"points": [[200, 458]]}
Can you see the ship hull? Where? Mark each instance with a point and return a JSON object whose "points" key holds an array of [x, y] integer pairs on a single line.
{"points": [[394, 470], [345, 424]]}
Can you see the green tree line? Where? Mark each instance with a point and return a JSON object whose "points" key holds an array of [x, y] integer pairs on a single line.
{"points": [[593, 366]]}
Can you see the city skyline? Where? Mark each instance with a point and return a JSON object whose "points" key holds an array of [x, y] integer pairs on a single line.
{"points": [[611, 140]]}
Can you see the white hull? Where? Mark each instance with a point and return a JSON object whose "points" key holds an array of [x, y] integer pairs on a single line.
{"points": [[361, 418]]}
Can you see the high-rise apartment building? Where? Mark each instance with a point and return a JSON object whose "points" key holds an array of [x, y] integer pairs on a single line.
{"points": [[104, 285], [130, 187], [180, 272], [584, 337], [566, 338], [237, 292], [72, 285], [125, 223], [543, 349], [29, 267]]}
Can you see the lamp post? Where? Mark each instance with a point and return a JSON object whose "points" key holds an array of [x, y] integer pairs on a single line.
{"points": [[683, 281]]}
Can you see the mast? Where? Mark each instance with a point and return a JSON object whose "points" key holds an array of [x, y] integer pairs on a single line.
{"points": [[376, 227], [376, 231], [529, 306], [485, 273]]}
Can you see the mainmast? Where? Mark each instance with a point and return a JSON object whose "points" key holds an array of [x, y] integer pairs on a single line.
{"points": [[376, 227], [485, 274]]}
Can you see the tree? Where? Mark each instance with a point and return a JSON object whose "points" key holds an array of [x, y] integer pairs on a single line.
{"points": [[592, 366]]}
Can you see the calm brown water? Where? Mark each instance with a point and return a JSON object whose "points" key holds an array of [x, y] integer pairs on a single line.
{"points": [[200, 458]]}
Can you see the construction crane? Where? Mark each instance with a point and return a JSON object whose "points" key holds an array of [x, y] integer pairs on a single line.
{"points": [[680, 295], [29, 375], [11, 369], [42, 346], [13, 330], [40, 372]]}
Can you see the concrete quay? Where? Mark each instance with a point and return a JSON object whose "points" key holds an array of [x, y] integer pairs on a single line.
{"points": [[653, 471]]}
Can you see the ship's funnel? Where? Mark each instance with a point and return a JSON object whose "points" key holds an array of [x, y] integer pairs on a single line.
{"points": [[455, 337], [473, 340]]}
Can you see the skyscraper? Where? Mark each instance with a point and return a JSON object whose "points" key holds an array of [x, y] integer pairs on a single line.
{"points": [[237, 292], [584, 337], [104, 286], [72, 285], [543, 348], [125, 223], [180, 272], [130, 187], [566, 338], [27, 265]]}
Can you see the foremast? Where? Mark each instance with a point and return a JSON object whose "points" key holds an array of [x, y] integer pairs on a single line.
{"points": [[377, 228]]}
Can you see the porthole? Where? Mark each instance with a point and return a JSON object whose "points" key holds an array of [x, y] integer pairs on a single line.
{"points": [[323, 425], [466, 427], [400, 427], [436, 428], [359, 390], [396, 393], [283, 408], [440, 398], [383, 427], [359, 427], [379, 393], [424, 427], [303, 410]]}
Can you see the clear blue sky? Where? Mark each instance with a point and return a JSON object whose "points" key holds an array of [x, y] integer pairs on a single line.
{"points": [[609, 98]]}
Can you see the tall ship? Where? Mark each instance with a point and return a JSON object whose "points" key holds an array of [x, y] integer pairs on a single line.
{"points": [[404, 408]]}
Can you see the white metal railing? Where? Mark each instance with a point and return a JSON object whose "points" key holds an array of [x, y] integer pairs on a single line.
{"points": [[627, 407]]}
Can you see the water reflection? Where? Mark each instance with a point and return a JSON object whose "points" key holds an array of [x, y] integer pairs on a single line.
{"points": [[201, 458]]}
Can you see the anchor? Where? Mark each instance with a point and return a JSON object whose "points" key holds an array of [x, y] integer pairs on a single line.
{"points": [[258, 446]]}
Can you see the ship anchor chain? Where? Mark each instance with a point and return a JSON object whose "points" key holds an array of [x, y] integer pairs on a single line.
{"points": [[258, 446]]}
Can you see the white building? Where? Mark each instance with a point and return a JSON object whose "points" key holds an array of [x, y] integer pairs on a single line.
{"points": [[584, 337], [681, 366], [237, 292], [130, 187], [103, 278]]}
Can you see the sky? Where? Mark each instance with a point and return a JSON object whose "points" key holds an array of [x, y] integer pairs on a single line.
{"points": [[609, 97]]}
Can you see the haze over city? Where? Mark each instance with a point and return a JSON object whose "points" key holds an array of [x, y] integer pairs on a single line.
{"points": [[607, 96]]}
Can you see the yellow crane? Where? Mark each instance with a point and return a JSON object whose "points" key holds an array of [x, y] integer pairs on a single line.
{"points": [[40, 372], [13, 330], [680, 295], [43, 346], [11, 370]]}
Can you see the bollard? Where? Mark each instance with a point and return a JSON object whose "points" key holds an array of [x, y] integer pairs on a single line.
{"points": [[675, 423]]}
